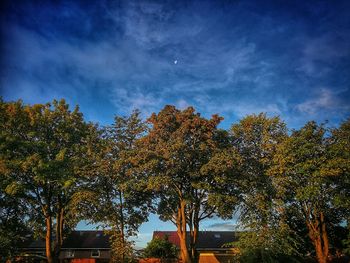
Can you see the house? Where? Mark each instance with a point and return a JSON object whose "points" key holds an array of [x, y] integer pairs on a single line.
{"points": [[86, 247], [32, 251], [211, 245], [78, 247]]}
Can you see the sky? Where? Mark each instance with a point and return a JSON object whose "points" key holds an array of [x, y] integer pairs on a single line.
{"points": [[233, 58]]}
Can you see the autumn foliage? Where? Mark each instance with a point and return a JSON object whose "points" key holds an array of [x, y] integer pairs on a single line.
{"points": [[290, 189]]}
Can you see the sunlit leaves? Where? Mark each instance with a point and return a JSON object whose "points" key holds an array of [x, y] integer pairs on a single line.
{"points": [[42, 146], [120, 200], [160, 248], [51, 160], [175, 157], [307, 174]]}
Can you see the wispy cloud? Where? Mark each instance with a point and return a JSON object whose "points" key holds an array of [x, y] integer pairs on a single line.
{"points": [[222, 227], [232, 59], [320, 54], [325, 100], [142, 239], [130, 99]]}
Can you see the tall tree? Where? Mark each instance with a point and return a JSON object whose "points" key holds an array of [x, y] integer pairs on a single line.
{"points": [[338, 165], [304, 178], [120, 202], [12, 210], [172, 155], [255, 139], [13, 223], [43, 148]]}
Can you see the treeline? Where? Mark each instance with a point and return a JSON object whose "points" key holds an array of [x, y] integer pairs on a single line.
{"points": [[290, 188]]}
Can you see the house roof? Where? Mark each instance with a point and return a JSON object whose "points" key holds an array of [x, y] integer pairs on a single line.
{"points": [[206, 239], [33, 244], [172, 236], [75, 240], [86, 239]]}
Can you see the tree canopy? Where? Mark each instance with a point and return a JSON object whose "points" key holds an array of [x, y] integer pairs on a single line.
{"points": [[119, 202], [43, 147], [306, 175], [289, 188], [173, 155]]}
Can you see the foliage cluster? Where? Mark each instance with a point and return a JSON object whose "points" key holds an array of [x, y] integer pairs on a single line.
{"points": [[160, 248], [291, 189]]}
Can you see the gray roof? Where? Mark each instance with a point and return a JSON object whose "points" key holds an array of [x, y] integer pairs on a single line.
{"points": [[87, 239], [215, 239], [75, 240], [34, 244], [206, 239]]}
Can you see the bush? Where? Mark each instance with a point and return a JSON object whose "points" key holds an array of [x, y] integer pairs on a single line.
{"points": [[160, 248]]}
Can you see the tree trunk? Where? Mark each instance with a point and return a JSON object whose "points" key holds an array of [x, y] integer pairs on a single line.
{"points": [[48, 239], [194, 228], [122, 234], [185, 256], [194, 245], [319, 237], [59, 231], [324, 236], [58, 234], [181, 230], [191, 232], [61, 227], [319, 251]]}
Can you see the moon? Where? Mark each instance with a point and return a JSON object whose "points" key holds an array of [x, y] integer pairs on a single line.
{"points": [[175, 62]]}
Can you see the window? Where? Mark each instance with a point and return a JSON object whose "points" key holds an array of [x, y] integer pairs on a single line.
{"points": [[70, 253], [95, 253]]}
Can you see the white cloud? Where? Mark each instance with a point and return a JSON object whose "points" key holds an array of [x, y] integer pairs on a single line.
{"points": [[320, 53], [134, 68], [182, 104], [243, 109], [41, 72], [142, 239], [125, 69], [240, 108], [324, 100], [130, 99], [221, 227]]}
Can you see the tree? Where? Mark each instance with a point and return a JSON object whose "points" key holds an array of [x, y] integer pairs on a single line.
{"points": [[12, 210], [43, 148], [305, 181], [254, 141], [13, 225], [275, 245], [338, 165], [171, 156], [119, 200], [160, 248]]}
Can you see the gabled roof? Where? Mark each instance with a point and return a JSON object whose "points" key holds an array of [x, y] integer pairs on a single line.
{"points": [[86, 239], [172, 236], [206, 239]]}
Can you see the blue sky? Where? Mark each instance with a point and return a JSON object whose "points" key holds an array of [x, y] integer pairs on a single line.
{"points": [[286, 58]]}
